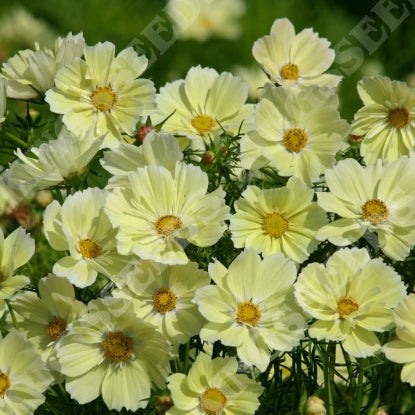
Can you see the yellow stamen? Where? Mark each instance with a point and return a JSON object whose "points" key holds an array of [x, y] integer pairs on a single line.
{"points": [[275, 224], [290, 71], [56, 328], [4, 384], [89, 248], [168, 224], [212, 401], [295, 139], [248, 313], [117, 347], [203, 123], [346, 306], [103, 99], [375, 211], [399, 117], [164, 300]]}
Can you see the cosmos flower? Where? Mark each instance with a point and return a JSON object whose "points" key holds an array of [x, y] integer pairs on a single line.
{"points": [[161, 211], [350, 298], [213, 387], [377, 198], [251, 307], [387, 119], [111, 352], [278, 220], [102, 91], [295, 60]]}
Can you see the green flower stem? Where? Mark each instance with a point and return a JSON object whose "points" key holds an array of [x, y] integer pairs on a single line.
{"points": [[349, 369], [329, 361], [12, 315], [17, 140], [358, 395]]}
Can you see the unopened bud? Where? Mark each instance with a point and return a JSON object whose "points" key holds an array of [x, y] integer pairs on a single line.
{"points": [[355, 139], [143, 131], [43, 198], [164, 403], [208, 157], [381, 411], [315, 406]]}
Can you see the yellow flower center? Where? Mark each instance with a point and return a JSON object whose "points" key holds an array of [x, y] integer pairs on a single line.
{"points": [[168, 224], [4, 384], [117, 346], [103, 98], [248, 313], [164, 300], [290, 71], [212, 401], [375, 211], [89, 248], [275, 224], [56, 328], [203, 123], [295, 139], [346, 306], [399, 117]]}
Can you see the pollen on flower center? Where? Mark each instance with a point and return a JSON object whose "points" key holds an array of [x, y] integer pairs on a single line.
{"points": [[168, 224], [346, 306], [275, 224], [164, 300], [212, 401], [4, 384], [117, 346], [399, 117], [248, 313], [375, 211], [295, 139], [203, 123], [290, 71], [103, 98], [89, 248], [56, 328]]}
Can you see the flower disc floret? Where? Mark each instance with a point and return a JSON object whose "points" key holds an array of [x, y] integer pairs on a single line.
{"points": [[56, 328], [346, 306], [375, 211], [89, 248], [248, 313], [4, 384], [168, 224], [164, 300], [203, 123], [295, 139], [117, 346], [103, 98], [212, 401], [290, 71]]}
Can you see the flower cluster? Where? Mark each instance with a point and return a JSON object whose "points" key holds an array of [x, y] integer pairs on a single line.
{"points": [[197, 241]]}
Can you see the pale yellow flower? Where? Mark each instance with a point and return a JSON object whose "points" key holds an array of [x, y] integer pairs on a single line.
{"points": [[252, 307], [23, 376], [295, 60], [387, 119], [278, 220], [213, 387], [103, 92], [111, 352], [350, 298]]}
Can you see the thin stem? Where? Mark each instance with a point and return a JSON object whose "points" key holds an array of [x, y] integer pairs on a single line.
{"points": [[329, 360], [12, 315], [17, 140], [359, 388]]}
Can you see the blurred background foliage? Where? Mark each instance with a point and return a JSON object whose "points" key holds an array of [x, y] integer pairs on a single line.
{"points": [[123, 21]]}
